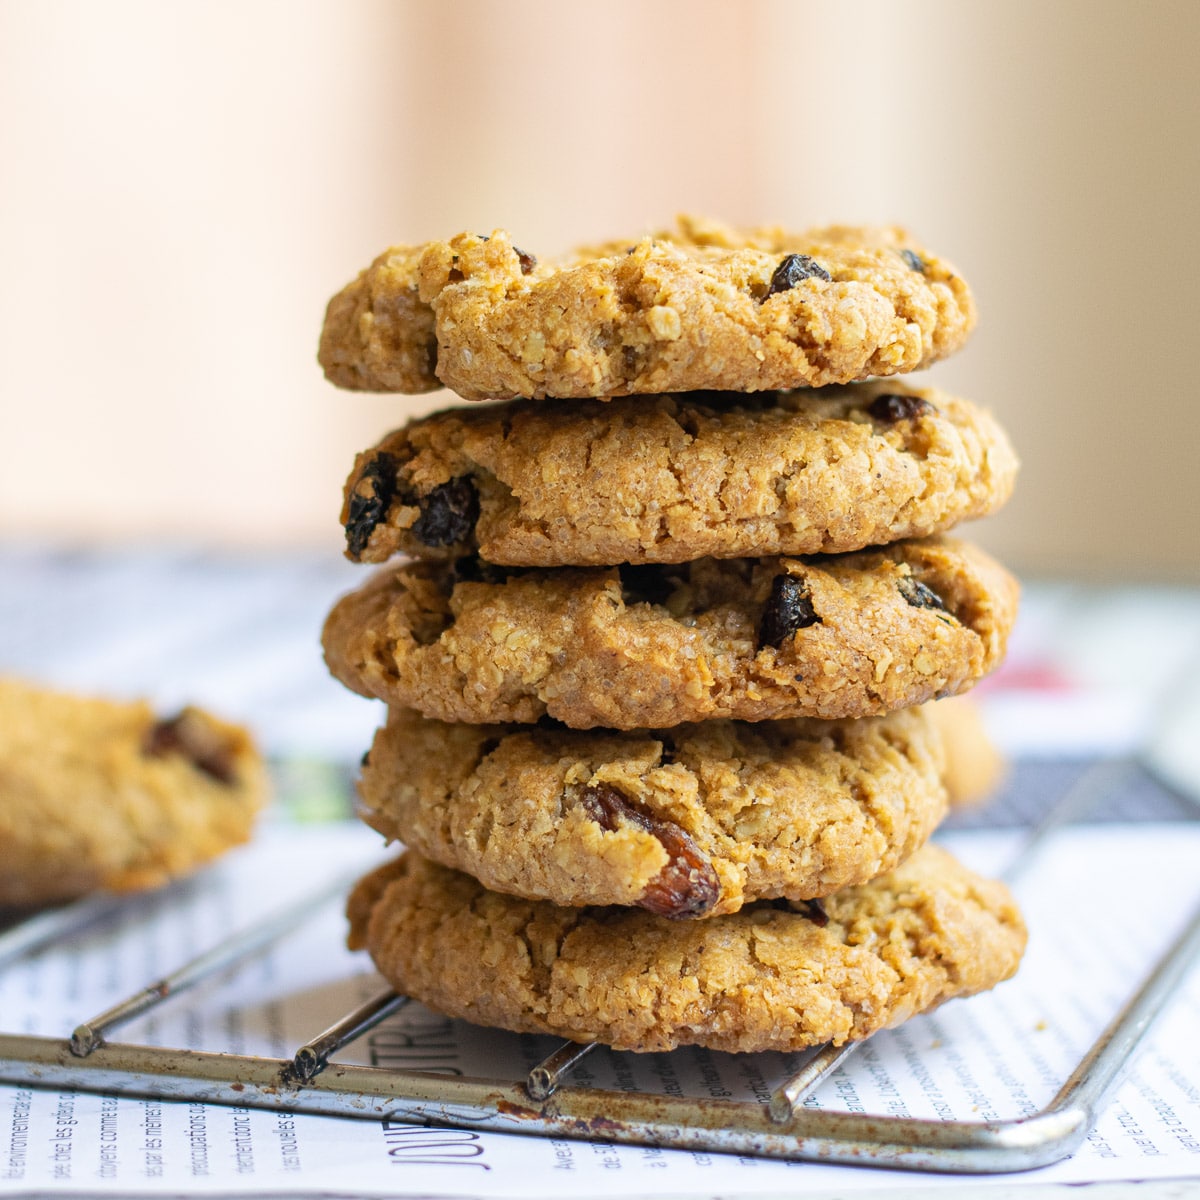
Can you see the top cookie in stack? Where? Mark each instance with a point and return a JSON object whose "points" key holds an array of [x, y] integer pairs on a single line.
{"points": [[703, 307], [723, 525]]}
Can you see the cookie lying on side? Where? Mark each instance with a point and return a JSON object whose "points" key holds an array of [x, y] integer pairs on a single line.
{"points": [[647, 647], [97, 794], [702, 306], [770, 977], [673, 478]]}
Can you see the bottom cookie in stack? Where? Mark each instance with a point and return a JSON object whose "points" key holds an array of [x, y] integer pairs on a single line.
{"points": [[565, 860], [776, 975]]}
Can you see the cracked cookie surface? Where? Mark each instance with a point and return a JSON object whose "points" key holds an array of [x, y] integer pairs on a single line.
{"points": [[673, 478], [103, 794], [653, 646], [694, 821], [764, 978], [702, 306]]}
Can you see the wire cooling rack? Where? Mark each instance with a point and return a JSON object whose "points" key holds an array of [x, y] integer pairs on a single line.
{"points": [[545, 1103]]}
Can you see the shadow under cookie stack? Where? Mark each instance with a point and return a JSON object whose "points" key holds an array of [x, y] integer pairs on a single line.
{"points": [[658, 652]]}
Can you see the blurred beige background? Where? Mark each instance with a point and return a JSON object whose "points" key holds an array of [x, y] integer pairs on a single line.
{"points": [[183, 185]]}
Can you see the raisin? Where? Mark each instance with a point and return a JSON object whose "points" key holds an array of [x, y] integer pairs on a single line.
{"points": [[792, 270], [914, 260], [448, 513], [190, 735], [816, 912], [373, 493], [898, 406], [527, 261], [687, 886], [788, 609], [645, 583], [920, 596], [455, 276]]}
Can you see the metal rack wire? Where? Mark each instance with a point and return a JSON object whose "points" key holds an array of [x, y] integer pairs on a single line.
{"points": [[545, 1103]]}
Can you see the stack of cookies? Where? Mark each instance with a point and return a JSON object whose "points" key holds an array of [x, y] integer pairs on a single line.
{"points": [[657, 652]]}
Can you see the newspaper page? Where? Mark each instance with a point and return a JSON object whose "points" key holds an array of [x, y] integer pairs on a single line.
{"points": [[1102, 904]]}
